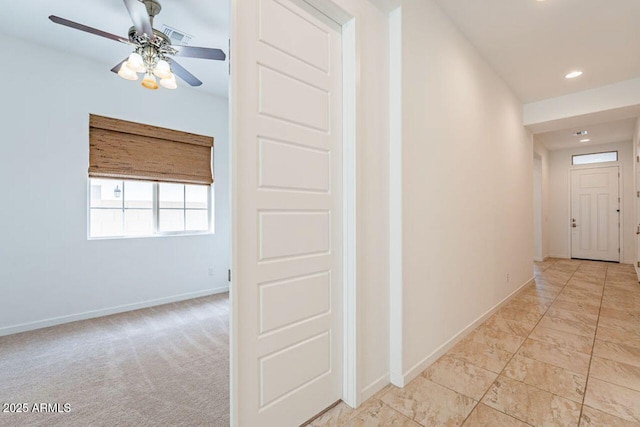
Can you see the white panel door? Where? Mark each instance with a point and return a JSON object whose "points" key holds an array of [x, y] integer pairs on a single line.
{"points": [[595, 214], [287, 278]]}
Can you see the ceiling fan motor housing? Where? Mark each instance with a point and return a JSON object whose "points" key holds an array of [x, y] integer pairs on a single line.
{"points": [[153, 8], [160, 37]]}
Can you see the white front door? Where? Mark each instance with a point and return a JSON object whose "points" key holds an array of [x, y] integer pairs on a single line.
{"points": [[595, 214], [287, 213]]}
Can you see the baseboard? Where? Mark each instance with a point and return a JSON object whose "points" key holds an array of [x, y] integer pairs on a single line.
{"points": [[419, 367], [374, 387], [569, 257], [24, 327], [397, 379], [538, 259]]}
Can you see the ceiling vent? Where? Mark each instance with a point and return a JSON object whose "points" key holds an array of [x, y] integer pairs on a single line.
{"points": [[178, 38]]}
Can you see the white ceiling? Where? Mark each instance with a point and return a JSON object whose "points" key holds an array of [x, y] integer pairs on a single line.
{"points": [[531, 44], [206, 21], [601, 133], [534, 44]]}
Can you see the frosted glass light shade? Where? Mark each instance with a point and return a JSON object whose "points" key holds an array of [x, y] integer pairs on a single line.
{"points": [[127, 73], [136, 63], [149, 82], [162, 70], [170, 82]]}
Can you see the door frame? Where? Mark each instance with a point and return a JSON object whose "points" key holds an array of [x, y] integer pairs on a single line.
{"points": [[328, 11], [617, 164], [538, 214], [636, 206]]}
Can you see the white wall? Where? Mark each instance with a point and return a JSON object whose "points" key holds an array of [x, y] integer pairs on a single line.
{"points": [[467, 187], [559, 167], [49, 271]]}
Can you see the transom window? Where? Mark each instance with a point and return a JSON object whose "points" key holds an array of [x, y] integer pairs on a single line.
{"points": [[587, 159], [126, 208]]}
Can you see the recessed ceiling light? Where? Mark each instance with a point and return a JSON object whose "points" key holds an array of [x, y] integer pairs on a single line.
{"points": [[573, 74], [585, 140]]}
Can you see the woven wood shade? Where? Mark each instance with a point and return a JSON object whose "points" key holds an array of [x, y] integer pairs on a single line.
{"points": [[127, 150]]}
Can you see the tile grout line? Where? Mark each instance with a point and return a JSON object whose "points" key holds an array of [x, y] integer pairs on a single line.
{"points": [[520, 346], [593, 345], [383, 403], [394, 410], [477, 402], [508, 362]]}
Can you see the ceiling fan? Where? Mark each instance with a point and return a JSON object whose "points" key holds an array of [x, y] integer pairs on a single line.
{"points": [[152, 49]]}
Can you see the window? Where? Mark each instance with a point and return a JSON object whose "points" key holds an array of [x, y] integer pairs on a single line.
{"points": [[146, 180], [122, 208], [587, 159], [183, 207]]}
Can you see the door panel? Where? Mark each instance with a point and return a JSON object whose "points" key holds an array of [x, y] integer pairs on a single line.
{"points": [[585, 218], [287, 290], [604, 219], [595, 232]]}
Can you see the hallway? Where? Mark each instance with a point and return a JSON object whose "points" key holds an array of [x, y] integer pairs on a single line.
{"points": [[577, 328]]}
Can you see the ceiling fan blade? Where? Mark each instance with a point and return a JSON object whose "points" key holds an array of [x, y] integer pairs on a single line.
{"points": [[179, 71], [138, 13], [117, 67], [200, 52], [86, 29]]}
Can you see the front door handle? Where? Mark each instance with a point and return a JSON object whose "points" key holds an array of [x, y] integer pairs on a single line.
{"points": [[573, 223]]}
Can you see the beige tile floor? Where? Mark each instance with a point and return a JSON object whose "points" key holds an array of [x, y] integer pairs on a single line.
{"points": [[564, 352]]}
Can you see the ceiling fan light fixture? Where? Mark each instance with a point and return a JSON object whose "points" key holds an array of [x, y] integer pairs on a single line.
{"points": [[149, 82], [152, 49], [127, 73], [162, 69], [136, 63], [169, 82]]}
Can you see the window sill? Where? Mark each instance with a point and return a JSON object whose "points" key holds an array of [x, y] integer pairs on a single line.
{"points": [[154, 236]]}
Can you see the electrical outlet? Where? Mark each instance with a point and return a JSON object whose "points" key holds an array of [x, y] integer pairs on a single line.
{"points": [[507, 277], [210, 271]]}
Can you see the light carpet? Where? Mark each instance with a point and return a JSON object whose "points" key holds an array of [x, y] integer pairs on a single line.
{"points": [[160, 366]]}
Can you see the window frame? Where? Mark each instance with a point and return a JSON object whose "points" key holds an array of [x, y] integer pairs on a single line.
{"points": [[573, 156], [155, 212]]}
